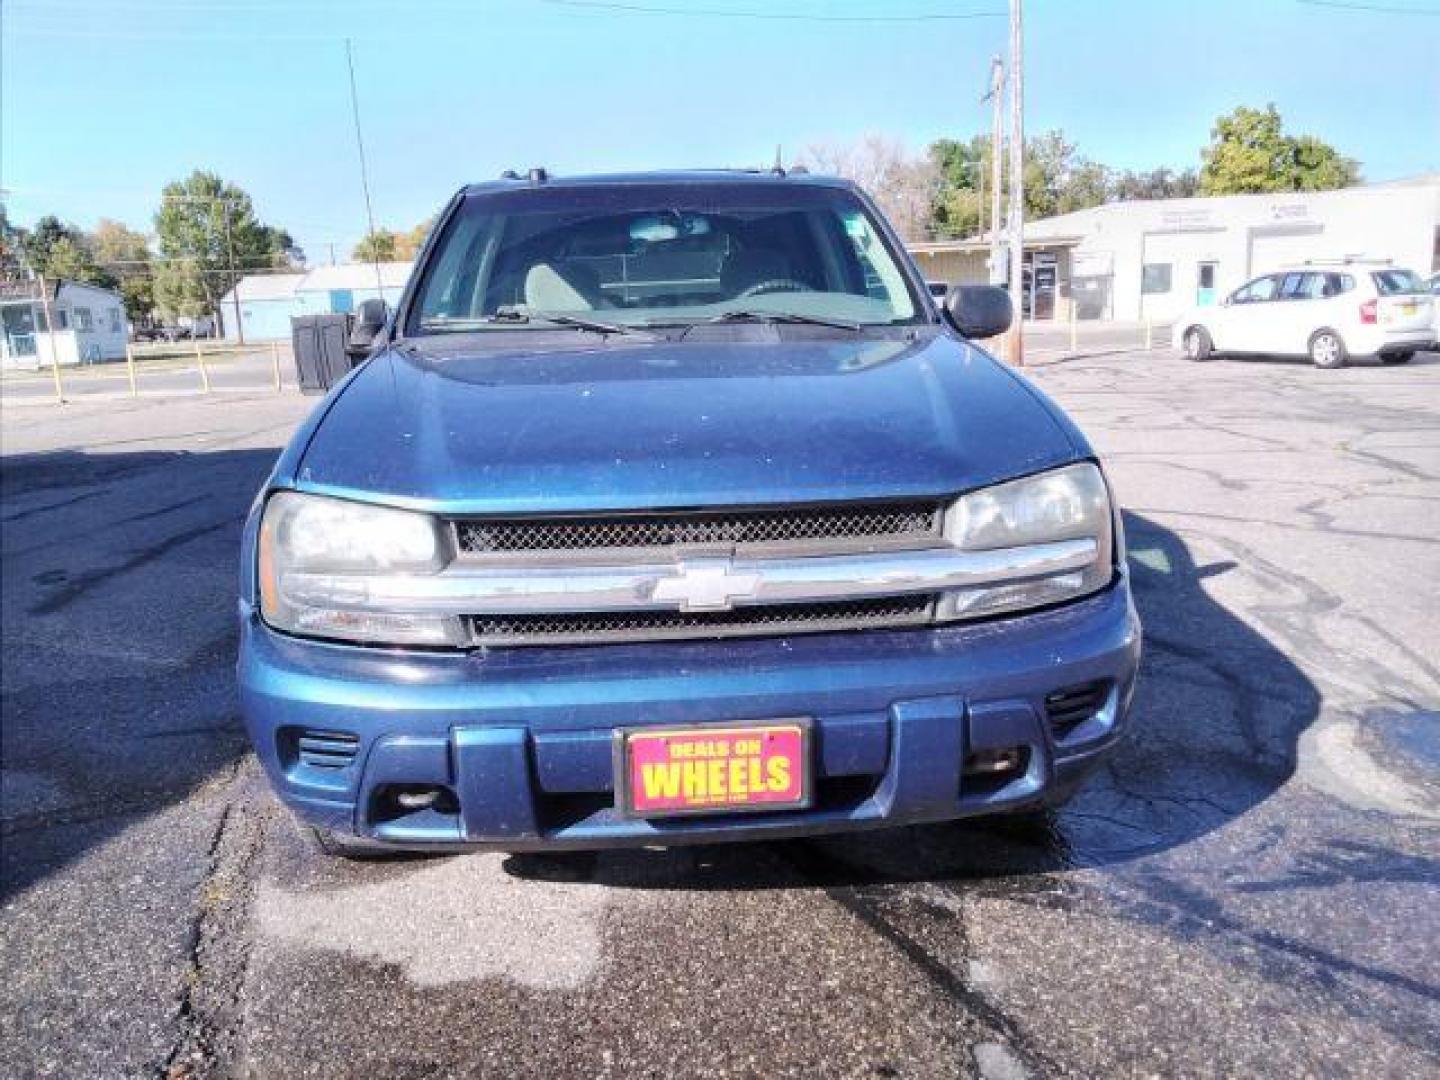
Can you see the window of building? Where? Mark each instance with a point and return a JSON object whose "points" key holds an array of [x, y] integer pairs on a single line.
{"points": [[1155, 278], [62, 319], [115, 324], [83, 320]]}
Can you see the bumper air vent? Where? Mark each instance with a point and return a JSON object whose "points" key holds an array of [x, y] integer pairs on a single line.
{"points": [[1067, 709], [326, 749]]}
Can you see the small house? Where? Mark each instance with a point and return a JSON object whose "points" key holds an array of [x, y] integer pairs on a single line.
{"points": [[90, 323]]}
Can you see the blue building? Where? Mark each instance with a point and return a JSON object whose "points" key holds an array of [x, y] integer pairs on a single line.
{"points": [[269, 301]]}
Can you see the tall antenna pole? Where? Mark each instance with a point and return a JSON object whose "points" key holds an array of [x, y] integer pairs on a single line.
{"points": [[364, 172], [997, 153], [1016, 341]]}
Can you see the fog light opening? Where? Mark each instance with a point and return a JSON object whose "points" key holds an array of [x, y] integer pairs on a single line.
{"points": [[400, 800], [995, 763], [419, 799]]}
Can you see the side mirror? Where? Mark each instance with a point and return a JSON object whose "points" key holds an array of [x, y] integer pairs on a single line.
{"points": [[979, 311], [369, 322]]}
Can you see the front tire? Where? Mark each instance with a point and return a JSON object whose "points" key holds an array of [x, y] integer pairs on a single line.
{"points": [[1327, 350], [1397, 358], [1197, 344]]}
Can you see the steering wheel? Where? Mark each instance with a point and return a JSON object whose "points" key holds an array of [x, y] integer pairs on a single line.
{"points": [[773, 285]]}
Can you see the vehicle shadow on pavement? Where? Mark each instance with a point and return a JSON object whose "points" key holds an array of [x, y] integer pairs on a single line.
{"points": [[119, 642], [1214, 732]]}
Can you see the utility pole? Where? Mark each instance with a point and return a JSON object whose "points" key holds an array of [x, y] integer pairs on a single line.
{"points": [[50, 339], [1016, 341], [235, 288], [997, 150]]}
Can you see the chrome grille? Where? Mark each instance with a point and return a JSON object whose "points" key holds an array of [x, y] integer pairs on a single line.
{"points": [[911, 524], [571, 628]]}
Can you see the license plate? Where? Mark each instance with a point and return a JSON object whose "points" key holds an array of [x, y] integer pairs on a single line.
{"points": [[665, 772], [1408, 308]]}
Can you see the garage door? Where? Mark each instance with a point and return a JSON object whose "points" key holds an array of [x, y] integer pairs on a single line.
{"points": [[1271, 249]]}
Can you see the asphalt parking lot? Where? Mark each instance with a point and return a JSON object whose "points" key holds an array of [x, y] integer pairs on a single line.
{"points": [[1252, 887]]}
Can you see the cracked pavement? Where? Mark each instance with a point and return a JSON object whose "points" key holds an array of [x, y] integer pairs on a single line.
{"points": [[1251, 886]]}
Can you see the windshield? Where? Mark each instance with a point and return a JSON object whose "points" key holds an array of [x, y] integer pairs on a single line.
{"points": [[660, 254]]}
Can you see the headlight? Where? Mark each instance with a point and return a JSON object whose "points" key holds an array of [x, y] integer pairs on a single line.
{"points": [[314, 550], [1067, 506]]}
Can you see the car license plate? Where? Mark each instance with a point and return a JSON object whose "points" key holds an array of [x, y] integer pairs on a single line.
{"points": [[717, 769], [1408, 308]]}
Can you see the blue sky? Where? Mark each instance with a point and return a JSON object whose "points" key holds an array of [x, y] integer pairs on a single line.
{"points": [[106, 100]]}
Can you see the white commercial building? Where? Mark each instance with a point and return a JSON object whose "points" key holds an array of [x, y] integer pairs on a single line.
{"points": [[1155, 259], [267, 302]]}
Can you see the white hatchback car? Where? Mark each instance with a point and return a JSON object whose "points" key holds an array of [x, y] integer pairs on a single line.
{"points": [[1329, 312]]}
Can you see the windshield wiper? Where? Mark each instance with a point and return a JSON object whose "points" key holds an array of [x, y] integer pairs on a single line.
{"points": [[578, 322], [757, 315]]}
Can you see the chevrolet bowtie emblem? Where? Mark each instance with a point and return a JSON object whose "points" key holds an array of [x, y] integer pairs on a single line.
{"points": [[712, 585]]}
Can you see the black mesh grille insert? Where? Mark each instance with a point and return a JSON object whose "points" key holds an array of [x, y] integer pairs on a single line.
{"points": [[899, 521], [600, 627]]}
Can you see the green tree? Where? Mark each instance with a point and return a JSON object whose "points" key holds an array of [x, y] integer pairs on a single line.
{"points": [[1057, 181], [1161, 183], [390, 245], [1250, 153], [410, 243], [284, 250], [960, 164], [125, 254], [12, 244], [209, 238], [1084, 184], [55, 249], [378, 246]]}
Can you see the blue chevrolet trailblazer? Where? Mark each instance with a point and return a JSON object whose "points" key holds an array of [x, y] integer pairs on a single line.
{"points": [[670, 508]]}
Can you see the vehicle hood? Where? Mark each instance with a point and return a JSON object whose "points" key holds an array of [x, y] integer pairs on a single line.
{"points": [[678, 424]]}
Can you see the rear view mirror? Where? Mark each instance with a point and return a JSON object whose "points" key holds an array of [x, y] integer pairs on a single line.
{"points": [[369, 322], [979, 311]]}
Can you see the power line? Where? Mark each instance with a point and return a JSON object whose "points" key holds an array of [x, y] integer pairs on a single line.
{"points": [[788, 16]]}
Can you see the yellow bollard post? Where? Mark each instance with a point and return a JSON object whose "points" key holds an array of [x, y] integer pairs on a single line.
{"points": [[1148, 329], [204, 373], [130, 367], [275, 363], [1074, 328]]}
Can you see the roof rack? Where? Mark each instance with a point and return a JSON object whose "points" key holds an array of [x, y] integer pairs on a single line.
{"points": [[1348, 260]]}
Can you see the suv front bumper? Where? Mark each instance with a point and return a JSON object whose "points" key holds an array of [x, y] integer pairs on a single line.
{"points": [[520, 740]]}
